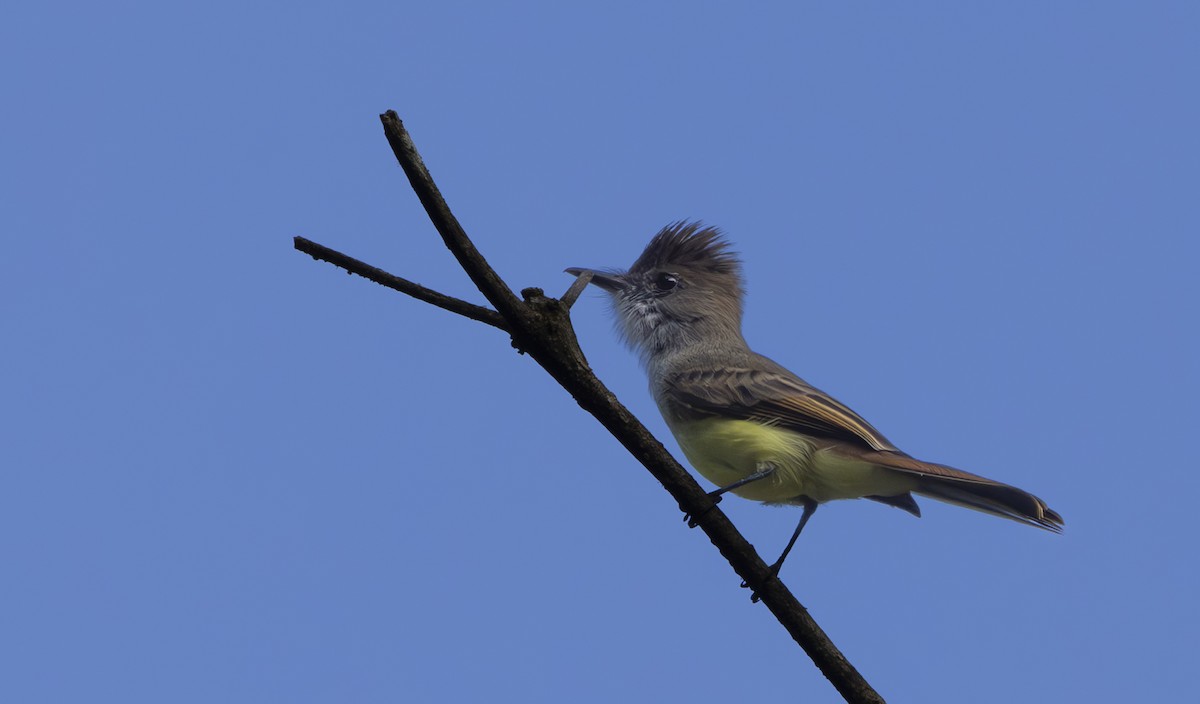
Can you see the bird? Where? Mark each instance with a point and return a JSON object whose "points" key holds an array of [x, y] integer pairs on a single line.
{"points": [[749, 425]]}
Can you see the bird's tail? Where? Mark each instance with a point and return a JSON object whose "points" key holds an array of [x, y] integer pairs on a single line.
{"points": [[955, 486], [998, 500]]}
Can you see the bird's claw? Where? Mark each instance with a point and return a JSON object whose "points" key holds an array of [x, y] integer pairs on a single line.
{"points": [[754, 597], [691, 520]]}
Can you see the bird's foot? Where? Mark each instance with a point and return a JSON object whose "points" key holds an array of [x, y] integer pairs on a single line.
{"points": [[691, 520], [754, 597]]}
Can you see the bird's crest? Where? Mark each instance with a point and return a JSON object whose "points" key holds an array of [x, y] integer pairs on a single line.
{"points": [[689, 244]]}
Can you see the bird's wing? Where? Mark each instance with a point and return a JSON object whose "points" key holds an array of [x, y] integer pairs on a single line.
{"points": [[773, 397]]}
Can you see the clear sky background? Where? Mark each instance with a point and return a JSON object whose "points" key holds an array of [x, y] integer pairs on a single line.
{"points": [[231, 473]]}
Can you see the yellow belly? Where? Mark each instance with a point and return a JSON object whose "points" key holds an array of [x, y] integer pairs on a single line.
{"points": [[724, 451]]}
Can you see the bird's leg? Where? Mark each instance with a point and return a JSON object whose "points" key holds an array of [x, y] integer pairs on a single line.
{"points": [[762, 471], [810, 507]]}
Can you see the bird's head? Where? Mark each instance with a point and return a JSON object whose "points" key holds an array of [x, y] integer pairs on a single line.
{"points": [[685, 288]]}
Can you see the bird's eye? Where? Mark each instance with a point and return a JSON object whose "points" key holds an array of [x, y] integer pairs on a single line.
{"points": [[666, 282]]}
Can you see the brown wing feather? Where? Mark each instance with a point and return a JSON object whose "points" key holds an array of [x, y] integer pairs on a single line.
{"points": [[776, 397]]}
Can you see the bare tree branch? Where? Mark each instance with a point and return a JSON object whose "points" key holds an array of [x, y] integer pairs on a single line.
{"points": [[486, 280], [381, 277], [541, 326]]}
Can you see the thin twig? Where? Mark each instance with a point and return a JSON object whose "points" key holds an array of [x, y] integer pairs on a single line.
{"points": [[381, 277], [486, 279], [577, 287]]}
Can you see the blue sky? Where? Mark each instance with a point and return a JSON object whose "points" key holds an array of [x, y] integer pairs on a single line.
{"points": [[234, 474]]}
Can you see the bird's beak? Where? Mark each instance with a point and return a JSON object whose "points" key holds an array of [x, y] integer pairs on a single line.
{"points": [[609, 282]]}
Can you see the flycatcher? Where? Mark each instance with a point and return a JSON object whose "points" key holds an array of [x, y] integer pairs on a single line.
{"points": [[749, 425]]}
